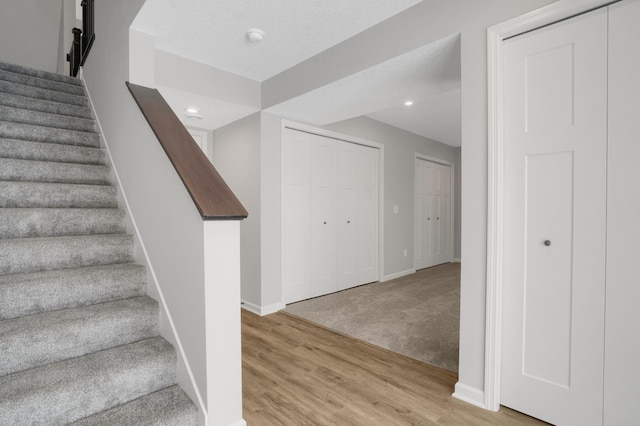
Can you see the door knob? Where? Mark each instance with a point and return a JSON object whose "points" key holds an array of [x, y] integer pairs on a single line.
{"points": [[348, 221], [324, 223], [547, 243]]}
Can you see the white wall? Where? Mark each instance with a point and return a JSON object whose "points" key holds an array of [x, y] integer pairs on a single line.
{"points": [[400, 148], [184, 74], [435, 19], [30, 33], [236, 156], [168, 223]]}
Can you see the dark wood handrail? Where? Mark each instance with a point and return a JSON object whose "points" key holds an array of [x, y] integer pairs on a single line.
{"points": [[210, 193]]}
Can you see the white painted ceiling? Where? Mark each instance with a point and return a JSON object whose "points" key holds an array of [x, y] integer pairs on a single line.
{"points": [[213, 32]]}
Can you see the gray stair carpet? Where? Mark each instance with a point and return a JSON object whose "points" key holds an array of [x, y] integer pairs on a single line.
{"points": [[79, 338]]}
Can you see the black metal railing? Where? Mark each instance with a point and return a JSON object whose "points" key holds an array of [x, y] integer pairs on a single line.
{"points": [[82, 39]]}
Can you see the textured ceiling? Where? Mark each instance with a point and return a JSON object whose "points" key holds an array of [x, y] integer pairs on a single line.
{"points": [[213, 32]]}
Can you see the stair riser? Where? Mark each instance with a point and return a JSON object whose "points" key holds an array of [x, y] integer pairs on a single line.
{"points": [[30, 132], [15, 101], [35, 293], [42, 151], [24, 223], [41, 83], [78, 387], [36, 195], [35, 340], [39, 73], [41, 171], [44, 94], [46, 119], [43, 254]]}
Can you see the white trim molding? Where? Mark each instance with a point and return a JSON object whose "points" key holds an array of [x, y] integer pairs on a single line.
{"points": [[469, 395], [398, 275], [547, 15], [262, 310]]}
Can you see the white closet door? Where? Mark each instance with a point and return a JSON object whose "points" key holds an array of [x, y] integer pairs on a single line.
{"points": [[555, 122], [432, 213], [358, 215], [348, 268], [367, 214], [441, 214], [296, 215], [324, 172], [423, 220]]}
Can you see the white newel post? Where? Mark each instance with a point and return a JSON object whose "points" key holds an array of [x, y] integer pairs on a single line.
{"points": [[222, 307]]}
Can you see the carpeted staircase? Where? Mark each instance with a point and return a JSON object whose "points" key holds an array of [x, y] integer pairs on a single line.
{"points": [[79, 339]]}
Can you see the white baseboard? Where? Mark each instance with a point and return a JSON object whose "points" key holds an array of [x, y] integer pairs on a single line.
{"points": [[262, 310], [398, 275], [469, 395]]}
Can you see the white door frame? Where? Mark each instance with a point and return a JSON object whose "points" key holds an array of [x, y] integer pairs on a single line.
{"points": [[554, 12], [452, 197], [288, 124]]}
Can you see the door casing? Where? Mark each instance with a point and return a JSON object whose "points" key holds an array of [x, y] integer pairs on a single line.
{"points": [[554, 12]]}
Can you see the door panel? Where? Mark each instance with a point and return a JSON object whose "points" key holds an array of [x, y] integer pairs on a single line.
{"points": [[324, 169], [296, 215], [368, 214], [432, 214], [358, 211], [555, 117]]}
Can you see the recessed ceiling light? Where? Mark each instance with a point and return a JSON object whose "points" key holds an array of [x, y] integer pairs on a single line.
{"points": [[255, 35], [193, 113], [408, 103]]}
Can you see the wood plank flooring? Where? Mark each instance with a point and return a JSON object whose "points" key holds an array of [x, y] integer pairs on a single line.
{"points": [[297, 373]]}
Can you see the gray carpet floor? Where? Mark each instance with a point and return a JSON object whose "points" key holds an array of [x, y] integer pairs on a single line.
{"points": [[417, 315]]}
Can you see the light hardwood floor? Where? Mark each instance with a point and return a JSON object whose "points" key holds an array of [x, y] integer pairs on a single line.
{"points": [[297, 373]]}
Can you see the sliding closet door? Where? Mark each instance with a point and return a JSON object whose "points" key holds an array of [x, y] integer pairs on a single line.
{"points": [[555, 138], [357, 215]]}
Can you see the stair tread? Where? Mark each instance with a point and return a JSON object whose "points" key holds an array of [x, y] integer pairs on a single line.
{"points": [[34, 340], [167, 407], [14, 169], [47, 253], [47, 151], [43, 105], [78, 387], [36, 292], [39, 82], [48, 222], [21, 69], [39, 194], [36, 133], [41, 93], [46, 119]]}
